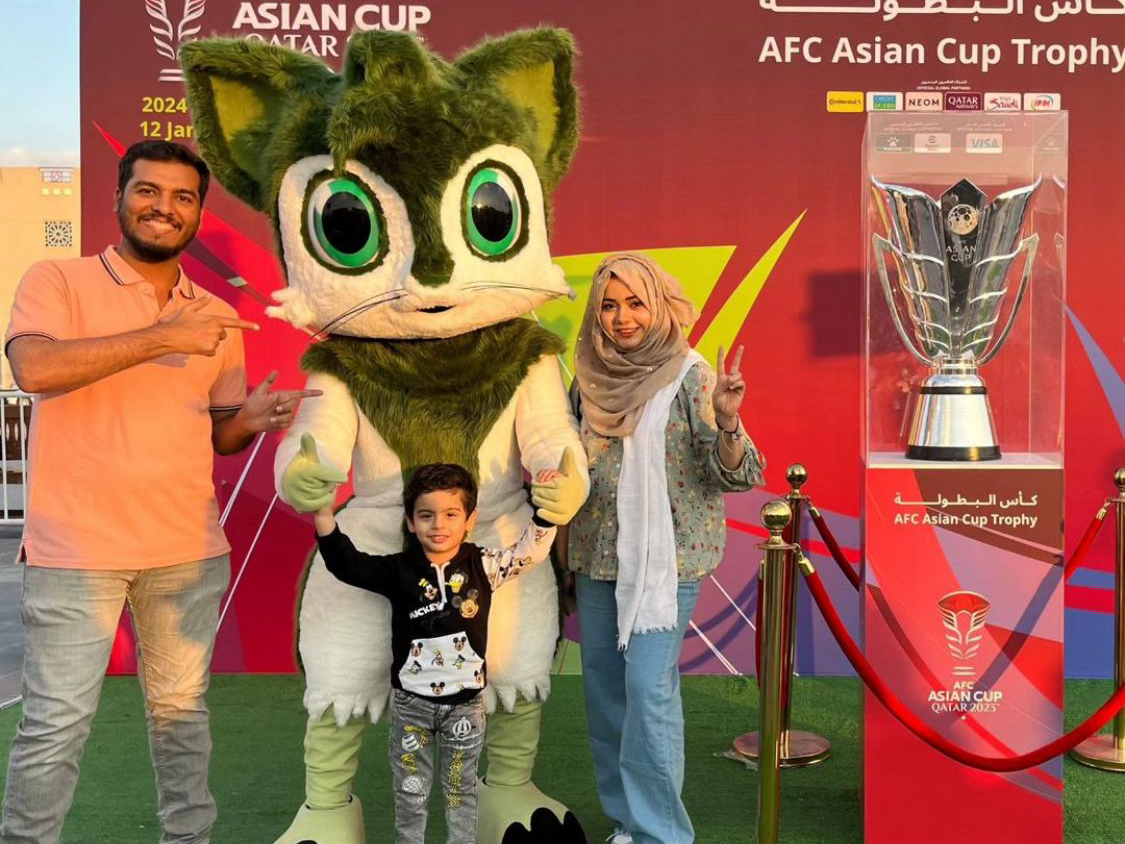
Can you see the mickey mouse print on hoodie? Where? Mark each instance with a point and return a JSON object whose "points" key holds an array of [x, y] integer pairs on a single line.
{"points": [[439, 611]]}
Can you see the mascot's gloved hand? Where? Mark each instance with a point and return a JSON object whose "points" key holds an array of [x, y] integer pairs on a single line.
{"points": [[308, 484], [558, 500]]}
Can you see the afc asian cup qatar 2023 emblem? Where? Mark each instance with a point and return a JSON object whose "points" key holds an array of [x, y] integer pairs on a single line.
{"points": [[168, 36], [963, 615]]}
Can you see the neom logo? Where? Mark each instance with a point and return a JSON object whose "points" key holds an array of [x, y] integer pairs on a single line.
{"points": [[923, 101]]}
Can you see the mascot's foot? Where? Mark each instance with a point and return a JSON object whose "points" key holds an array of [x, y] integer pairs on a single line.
{"points": [[522, 814], [326, 826]]}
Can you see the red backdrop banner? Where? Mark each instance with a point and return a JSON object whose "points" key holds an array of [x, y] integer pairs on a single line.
{"points": [[708, 124]]}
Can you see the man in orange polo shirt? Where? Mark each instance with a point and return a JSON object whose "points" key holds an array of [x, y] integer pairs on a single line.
{"points": [[141, 379]]}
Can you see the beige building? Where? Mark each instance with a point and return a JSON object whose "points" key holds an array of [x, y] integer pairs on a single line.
{"points": [[40, 217]]}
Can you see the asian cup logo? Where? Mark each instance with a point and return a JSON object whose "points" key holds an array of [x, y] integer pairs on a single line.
{"points": [[168, 36], [963, 615]]}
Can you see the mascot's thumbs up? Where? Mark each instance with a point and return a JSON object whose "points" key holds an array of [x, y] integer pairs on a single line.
{"points": [[307, 483], [559, 499]]}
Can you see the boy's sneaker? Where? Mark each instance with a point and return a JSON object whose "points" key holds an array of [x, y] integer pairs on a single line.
{"points": [[619, 836]]}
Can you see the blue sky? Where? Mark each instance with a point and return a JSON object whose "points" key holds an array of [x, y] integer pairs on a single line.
{"points": [[39, 46]]}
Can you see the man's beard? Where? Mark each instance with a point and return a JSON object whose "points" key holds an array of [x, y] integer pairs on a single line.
{"points": [[149, 252]]}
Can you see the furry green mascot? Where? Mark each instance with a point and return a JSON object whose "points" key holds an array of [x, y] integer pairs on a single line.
{"points": [[409, 197]]}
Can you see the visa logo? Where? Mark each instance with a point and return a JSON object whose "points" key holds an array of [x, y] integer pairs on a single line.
{"points": [[984, 142]]}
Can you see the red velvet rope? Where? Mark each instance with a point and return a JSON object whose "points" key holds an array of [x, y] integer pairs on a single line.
{"points": [[834, 548], [1084, 545], [931, 736]]}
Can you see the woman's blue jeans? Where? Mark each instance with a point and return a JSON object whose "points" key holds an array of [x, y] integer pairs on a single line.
{"points": [[635, 717]]}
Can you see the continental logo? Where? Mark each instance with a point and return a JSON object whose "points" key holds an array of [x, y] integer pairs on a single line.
{"points": [[846, 101]]}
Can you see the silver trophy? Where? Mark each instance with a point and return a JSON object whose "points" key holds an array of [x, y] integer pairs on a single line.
{"points": [[953, 255]]}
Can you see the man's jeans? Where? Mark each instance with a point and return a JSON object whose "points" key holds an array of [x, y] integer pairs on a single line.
{"points": [[415, 725], [71, 618]]}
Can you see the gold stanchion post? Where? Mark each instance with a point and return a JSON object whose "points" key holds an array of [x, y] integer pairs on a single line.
{"points": [[1106, 751], [798, 747], [775, 516]]}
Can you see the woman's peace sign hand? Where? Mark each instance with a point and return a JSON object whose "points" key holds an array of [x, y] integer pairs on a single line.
{"points": [[729, 390]]}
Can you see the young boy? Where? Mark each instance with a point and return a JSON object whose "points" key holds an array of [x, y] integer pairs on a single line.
{"points": [[440, 589]]}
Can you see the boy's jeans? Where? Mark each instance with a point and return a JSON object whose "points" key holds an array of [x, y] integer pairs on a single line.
{"points": [[71, 618], [415, 725], [635, 715]]}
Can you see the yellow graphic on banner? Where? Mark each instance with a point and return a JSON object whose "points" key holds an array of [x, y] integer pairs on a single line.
{"points": [[728, 322]]}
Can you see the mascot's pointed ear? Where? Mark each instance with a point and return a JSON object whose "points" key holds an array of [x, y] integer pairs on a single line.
{"points": [[535, 70], [242, 95]]}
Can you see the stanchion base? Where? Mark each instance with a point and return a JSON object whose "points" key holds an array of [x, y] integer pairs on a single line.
{"points": [[799, 750], [1099, 752]]}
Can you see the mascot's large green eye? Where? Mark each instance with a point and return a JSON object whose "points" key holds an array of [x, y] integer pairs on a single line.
{"points": [[494, 215], [345, 224]]}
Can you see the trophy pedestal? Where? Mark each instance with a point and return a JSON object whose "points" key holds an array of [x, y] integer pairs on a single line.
{"points": [[952, 419], [963, 618]]}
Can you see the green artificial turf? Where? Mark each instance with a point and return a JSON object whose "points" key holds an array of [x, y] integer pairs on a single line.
{"points": [[257, 771]]}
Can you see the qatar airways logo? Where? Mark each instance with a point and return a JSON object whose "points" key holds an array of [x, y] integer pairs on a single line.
{"points": [[963, 101], [170, 30]]}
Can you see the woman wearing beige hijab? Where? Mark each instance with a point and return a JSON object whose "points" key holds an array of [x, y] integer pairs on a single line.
{"points": [[664, 441]]}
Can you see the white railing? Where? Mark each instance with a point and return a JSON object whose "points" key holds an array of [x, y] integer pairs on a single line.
{"points": [[15, 418]]}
